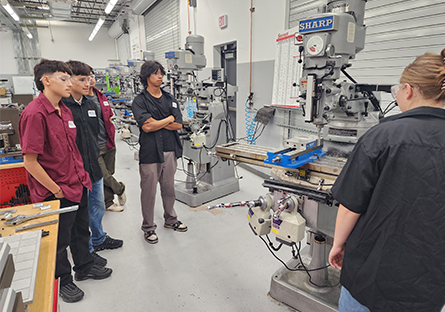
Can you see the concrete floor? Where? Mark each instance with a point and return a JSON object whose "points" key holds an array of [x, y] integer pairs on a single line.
{"points": [[218, 265]]}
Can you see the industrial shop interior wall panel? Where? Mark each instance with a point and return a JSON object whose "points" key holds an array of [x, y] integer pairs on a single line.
{"points": [[162, 29], [397, 31]]}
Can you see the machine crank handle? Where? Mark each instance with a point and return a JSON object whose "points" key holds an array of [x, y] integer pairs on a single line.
{"points": [[263, 202], [251, 203]]}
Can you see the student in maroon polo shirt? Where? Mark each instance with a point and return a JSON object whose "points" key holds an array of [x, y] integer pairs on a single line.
{"points": [[55, 171]]}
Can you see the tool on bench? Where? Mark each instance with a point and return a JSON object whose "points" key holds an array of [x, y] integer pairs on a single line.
{"points": [[23, 218], [32, 226]]}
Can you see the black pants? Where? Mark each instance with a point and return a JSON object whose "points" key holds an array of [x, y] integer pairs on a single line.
{"points": [[107, 160], [73, 232]]}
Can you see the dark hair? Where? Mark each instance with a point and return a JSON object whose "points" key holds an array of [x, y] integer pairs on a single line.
{"points": [[427, 72], [49, 67], [149, 68], [79, 68], [90, 68]]}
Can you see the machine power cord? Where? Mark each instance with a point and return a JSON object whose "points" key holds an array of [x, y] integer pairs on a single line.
{"points": [[299, 258]]}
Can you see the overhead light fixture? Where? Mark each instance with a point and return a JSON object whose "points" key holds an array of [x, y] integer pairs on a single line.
{"points": [[44, 7], [27, 32], [9, 9], [97, 27], [110, 6]]}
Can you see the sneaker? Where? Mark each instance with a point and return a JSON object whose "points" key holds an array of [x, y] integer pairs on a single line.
{"points": [[178, 226], [115, 208], [70, 292], [98, 259], [109, 243], [151, 237], [122, 198], [96, 272]]}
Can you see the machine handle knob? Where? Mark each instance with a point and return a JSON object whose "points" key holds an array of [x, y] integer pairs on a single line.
{"points": [[260, 220]]}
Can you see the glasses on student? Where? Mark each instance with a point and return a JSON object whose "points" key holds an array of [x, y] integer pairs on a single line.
{"points": [[63, 78], [82, 79], [92, 76], [395, 89]]}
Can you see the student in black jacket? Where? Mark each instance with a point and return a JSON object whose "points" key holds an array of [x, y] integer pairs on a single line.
{"points": [[159, 117], [86, 120]]}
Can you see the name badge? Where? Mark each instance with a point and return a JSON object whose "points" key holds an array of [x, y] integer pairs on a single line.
{"points": [[175, 105], [71, 124], [106, 103], [92, 113]]}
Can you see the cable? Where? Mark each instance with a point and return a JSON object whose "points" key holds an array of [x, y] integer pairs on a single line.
{"points": [[217, 135], [307, 271], [387, 109], [271, 244], [285, 265], [299, 258]]}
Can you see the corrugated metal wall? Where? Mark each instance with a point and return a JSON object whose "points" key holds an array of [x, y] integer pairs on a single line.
{"points": [[124, 48], [397, 32], [162, 29], [27, 51]]}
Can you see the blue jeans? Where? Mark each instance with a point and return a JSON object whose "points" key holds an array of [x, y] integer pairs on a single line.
{"points": [[347, 303], [97, 210]]}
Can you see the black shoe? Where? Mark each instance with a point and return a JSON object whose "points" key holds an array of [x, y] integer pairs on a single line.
{"points": [[151, 237], [101, 261], [70, 292], [96, 272], [178, 226], [109, 243]]}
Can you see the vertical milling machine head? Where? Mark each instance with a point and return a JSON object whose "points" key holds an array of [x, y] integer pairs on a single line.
{"points": [[328, 41]]}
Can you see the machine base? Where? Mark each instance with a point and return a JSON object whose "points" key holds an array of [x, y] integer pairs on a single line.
{"points": [[293, 289], [205, 192]]}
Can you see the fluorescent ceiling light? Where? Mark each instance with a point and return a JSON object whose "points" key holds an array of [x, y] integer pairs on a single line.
{"points": [[9, 9], [110, 6], [97, 27], [27, 32], [44, 7]]}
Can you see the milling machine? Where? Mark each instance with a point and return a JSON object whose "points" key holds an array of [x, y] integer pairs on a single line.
{"points": [[299, 197], [206, 124], [124, 80]]}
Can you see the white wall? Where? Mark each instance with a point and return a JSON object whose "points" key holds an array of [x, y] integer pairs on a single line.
{"points": [[71, 43], [8, 64], [268, 20]]}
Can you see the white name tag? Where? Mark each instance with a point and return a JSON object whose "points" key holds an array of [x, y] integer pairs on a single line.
{"points": [[71, 124], [92, 113], [175, 105], [106, 103]]}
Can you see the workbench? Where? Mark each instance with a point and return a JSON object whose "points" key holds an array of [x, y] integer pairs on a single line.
{"points": [[44, 288]]}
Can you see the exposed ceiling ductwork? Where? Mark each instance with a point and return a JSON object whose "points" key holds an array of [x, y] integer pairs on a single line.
{"points": [[79, 11]]}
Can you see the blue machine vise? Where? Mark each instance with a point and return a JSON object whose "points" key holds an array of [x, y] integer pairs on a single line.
{"points": [[291, 158]]}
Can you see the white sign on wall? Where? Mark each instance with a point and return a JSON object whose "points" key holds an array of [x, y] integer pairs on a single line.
{"points": [[287, 71], [135, 48]]}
